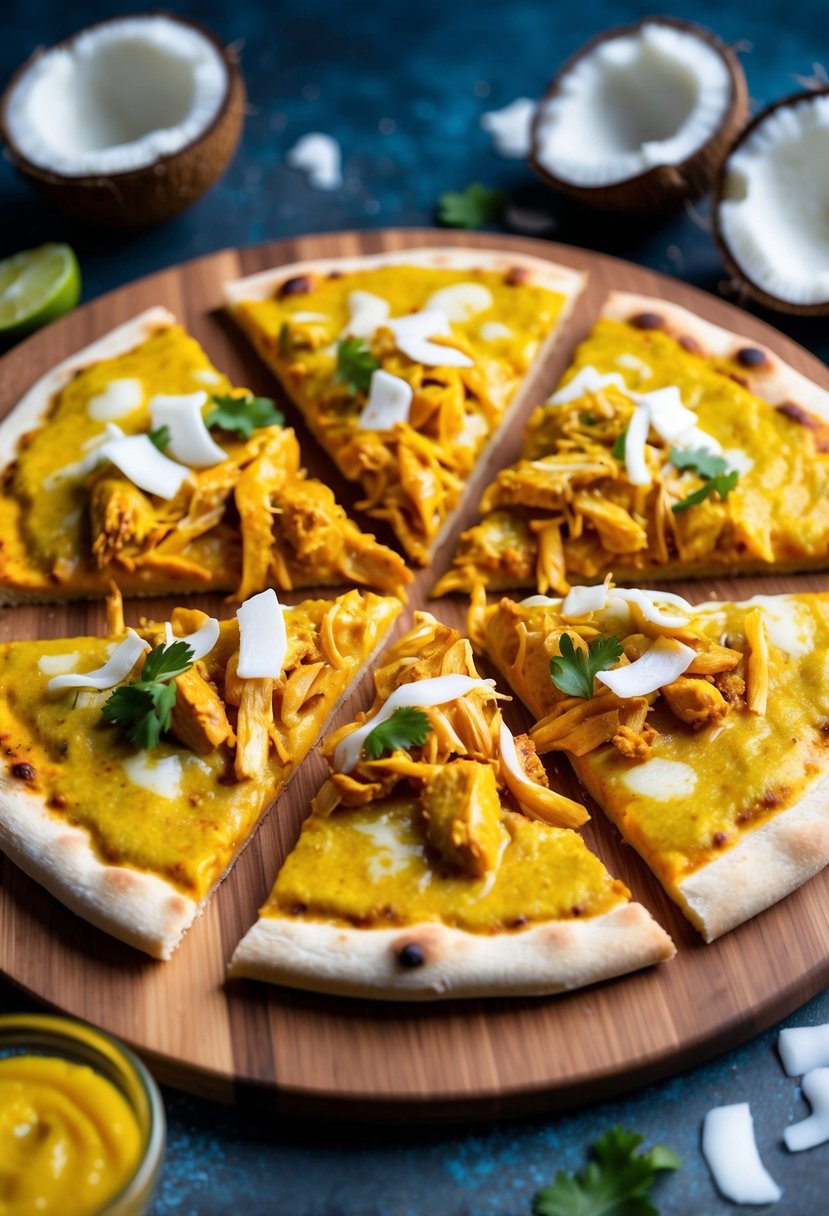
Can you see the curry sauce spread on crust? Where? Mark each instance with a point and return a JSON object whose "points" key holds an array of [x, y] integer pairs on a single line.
{"points": [[81, 501], [672, 448], [709, 750], [133, 829], [452, 334], [447, 866]]}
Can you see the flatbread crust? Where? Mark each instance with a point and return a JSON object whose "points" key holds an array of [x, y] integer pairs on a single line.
{"points": [[137, 907], [546, 959]]}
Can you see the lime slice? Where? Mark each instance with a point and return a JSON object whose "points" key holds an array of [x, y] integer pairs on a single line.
{"points": [[36, 286]]}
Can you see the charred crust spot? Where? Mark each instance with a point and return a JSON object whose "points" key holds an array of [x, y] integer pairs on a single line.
{"points": [[738, 379], [823, 726], [647, 320], [411, 955], [578, 909], [771, 799], [516, 275], [299, 909], [24, 772], [719, 840], [690, 344], [750, 356], [298, 286], [335, 274], [518, 923], [797, 414], [745, 816], [59, 801]]}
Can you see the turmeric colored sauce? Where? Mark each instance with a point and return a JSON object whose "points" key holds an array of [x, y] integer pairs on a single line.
{"points": [[69, 1141]]}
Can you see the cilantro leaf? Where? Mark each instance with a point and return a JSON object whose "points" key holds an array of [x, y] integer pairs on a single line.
{"points": [[706, 463], [144, 709], [620, 444], [587, 419], [616, 1183], [474, 208], [722, 486], [285, 339], [243, 415], [355, 364], [160, 437], [573, 671], [407, 727]]}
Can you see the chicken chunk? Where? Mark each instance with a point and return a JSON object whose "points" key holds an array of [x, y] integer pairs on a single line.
{"points": [[199, 719], [463, 816], [696, 701]]}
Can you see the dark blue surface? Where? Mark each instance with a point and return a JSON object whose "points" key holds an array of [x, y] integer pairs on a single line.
{"points": [[402, 86]]}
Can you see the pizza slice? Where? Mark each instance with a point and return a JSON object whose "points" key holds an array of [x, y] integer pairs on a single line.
{"points": [[137, 765], [137, 460], [436, 861], [672, 448], [405, 365], [701, 731]]}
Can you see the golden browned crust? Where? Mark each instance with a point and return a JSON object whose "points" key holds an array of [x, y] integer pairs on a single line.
{"points": [[545, 959]]}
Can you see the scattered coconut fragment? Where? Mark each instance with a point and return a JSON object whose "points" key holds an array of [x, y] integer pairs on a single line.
{"points": [[117, 667], [389, 401], [190, 441], [730, 1151], [319, 156], [803, 1048], [771, 206], [814, 1130], [511, 128], [638, 119], [661, 664], [263, 639]]}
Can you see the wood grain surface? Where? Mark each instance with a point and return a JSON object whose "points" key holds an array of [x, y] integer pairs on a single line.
{"points": [[315, 1054]]}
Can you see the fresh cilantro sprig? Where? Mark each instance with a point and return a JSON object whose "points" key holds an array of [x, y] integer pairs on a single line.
{"points": [[616, 1183], [144, 709], [573, 671], [355, 364], [620, 445], [475, 207], [160, 437], [407, 727], [718, 479], [243, 415]]}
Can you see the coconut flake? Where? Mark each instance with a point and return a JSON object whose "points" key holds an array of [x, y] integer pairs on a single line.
{"points": [[161, 777], [263, 639], [540, 601], [190, 441], [511, 128], [79, 469], [803, 1048], [388, 404], [461, 301], [201, 642], [412, 334], [58, 664], [669, 417], [117, 667], [659, 665], [421, 694], [814, 1130], [581, 601], [119, 398], [587, 380], [319, 156], [648, 603], [636, 464], [730, 1150], [140, 460], [205, 375], [367, 312]]}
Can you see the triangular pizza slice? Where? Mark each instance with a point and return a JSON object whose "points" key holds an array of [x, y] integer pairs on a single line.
{"points": [[701, 731], [137, 765], [406, 365], [437, 862], [672, 448], [137, 460]]}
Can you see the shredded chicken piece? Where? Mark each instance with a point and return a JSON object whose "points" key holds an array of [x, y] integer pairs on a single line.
{"points": [[757, 665], [199, 718], [462, 811], [253, 727], [121, 517], [695, 701], [534, 796], [634, 744], [115, 625]]}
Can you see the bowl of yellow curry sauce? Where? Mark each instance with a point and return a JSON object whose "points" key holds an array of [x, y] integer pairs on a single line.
{"points": [[82, 1127]]}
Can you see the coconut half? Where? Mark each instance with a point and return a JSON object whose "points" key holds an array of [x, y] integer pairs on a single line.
{"points": [[640, 118], [771, 205], [129, 121]]}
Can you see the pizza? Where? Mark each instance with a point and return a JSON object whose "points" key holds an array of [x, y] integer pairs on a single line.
{"points": [[436, 861], [406, 365], [672, 448], [137, 765], [702, 732], [137, 460]]}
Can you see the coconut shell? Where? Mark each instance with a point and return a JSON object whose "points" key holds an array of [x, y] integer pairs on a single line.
{"points": [[662, 188], [747, 287], [142, 197]]}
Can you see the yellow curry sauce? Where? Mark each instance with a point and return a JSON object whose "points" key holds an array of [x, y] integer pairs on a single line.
{"points": [[701, 791], [413, 476], [548, 525], [69, 1141]]}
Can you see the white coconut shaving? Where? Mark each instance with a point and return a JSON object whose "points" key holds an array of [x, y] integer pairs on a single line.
{"points": [[511, 128], [319, 156]]}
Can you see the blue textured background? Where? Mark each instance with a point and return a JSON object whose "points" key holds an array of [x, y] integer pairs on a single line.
{"points": [[402, 85]]}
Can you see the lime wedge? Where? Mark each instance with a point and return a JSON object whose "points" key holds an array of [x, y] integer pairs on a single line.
{"points": [[36, 286]]}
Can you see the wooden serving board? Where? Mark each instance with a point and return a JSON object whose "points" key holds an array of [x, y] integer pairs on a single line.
{"points": [[337, 1056]]}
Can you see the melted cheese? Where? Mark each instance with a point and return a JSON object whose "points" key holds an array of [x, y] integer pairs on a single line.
{"points": [[461, 301], [495, 331], [787, 627], [661, 780], [161, 777], [119, 398], [58, 664], [393, 852]]}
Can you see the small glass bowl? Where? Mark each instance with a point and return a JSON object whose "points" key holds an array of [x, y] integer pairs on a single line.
{"points": [[42, 1034]]}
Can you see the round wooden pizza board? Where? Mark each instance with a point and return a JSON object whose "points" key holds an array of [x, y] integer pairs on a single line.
{"points": [[306, 1053]]}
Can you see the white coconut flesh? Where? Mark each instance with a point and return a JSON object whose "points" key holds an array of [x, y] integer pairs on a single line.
{"points": [[774, 213], [649, 98], [117, 98]]}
